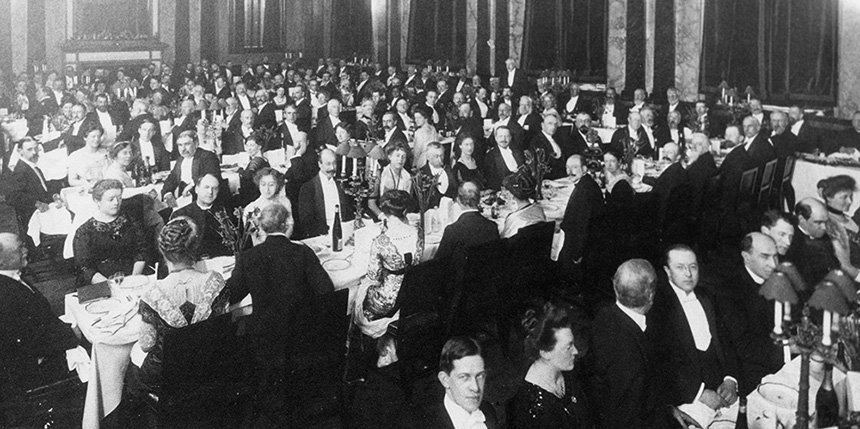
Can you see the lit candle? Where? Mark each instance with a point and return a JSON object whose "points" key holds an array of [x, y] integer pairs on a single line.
{"points": [[343, 166], [748, 98], [355, 167], [777, 318], [786, 312], [825, 328], [731, 100], [724, 94]]}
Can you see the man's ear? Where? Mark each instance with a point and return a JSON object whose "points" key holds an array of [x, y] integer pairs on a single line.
{"points": [[444, 378]]}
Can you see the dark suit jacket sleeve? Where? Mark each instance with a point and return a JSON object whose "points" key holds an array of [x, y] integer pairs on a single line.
{"points": [[617, 362], [238, 281], [172, 180], [307, 205], [209, 164], [317, 277], [447, 244]]}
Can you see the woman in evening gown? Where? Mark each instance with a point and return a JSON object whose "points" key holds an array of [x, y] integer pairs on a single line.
{"points": [[519, 188], [466, 168]]}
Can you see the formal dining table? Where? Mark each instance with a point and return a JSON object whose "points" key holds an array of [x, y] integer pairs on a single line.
{"points": [[807, 173]]}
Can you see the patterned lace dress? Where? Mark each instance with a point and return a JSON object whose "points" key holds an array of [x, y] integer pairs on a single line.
{"points": [[380, 287]]}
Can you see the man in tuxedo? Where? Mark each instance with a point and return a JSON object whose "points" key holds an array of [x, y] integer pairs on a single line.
{"points": [[682, 325], [232, 139], [265, 111], [757, 112], [192, 165], [608, 111], [139, 113], [671, 132], [437, 115], [631, 138], [290, 128], [848, 140], [57, 96], [319, 197], [446, 183], [204, 211], [579, 134], [188, 117], [462, 374], [393, 134], [673, 98], [571, 102], [324, 132], [515, 79], [102, 113], [242, 95], [303, 107], [362, 90], [638, 100], [146, 147], [812, 249], [471, 228], [622, 357], [747, 316], [404, 120], [808, 138], [28, 189], [283, 277], [584, 207], [505, 120], [548, 141], [303, 166], [221, 91], [757, 143], [779, 226], [648, 125], [502, 159], [700, 165], [784, 142], [33, 341], [702, 122]]}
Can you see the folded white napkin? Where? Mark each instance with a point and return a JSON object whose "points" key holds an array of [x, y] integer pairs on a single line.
{"points": [[78, 360]]}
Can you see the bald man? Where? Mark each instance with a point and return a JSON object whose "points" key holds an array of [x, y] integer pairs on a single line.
{"points": [[812, 249], [784, 142], [318, 199], [33, 340], [470, 228], [748, 316]]}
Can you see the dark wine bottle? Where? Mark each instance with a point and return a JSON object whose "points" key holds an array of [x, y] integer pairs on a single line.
{"points": [[741, 422], [146, 178], [336, 231], [826, 405]]}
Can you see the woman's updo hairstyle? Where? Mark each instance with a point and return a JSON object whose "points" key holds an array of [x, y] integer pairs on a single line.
{"points": [[540, 324], [103, 186], [117, 148], [394, 203], [829, 187], [520, 184], [269, 171], [178, 241]]}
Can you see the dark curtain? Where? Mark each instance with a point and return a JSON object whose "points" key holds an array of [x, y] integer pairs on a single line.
{"points": [[437, 31], [209, 30], [784, 49], [635, 67], [271, 23], [566, 34], [352, 28], [664, 48]]}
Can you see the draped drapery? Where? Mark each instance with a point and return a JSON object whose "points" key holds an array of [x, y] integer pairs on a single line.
{"points": [[352, 28], [437, 31], [566, 34], [784, 49]]}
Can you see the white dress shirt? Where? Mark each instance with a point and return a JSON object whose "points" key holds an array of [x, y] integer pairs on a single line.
{"points": [[522, 121], [748, 142], [759, 117], [334, 121], [696, 318], [673, 132], [637, 107], [555, 147], [407, 121], [388, 135], [463, 419], [483, 108], [146, 151], [511, 76], [293, 129], [244, 101], [650, 133], [331, 197], [571, 104], [508, 156], [185, 171], [441, 178], [38, 172], [460, 84], [673, 107], [104, 119], [795, 127], [639, 319]]}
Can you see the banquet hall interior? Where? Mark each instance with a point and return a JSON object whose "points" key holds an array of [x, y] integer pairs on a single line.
{"points": [[429, 214]]}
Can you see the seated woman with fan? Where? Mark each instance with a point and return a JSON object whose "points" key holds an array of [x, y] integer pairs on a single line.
{"points": [[395, 176], [186, 296], [397, 247], [519, 188]]}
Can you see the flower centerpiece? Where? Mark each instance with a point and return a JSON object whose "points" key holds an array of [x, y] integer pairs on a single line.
{"points": [[537, 164]]}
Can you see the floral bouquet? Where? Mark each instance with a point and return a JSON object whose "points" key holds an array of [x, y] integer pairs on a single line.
{"points": [[230, 233], [537, 164], [423, 187]]}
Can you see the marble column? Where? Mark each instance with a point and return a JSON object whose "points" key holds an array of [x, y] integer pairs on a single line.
{"points": [[405, 6], [649, 45], [689, 23], [517, 15], [849, 58], [5, 37], [223, 43], [379, 17], [471, 35], [19, 35], [167, 30], [55, 33], [616, 52], [194, 29]]}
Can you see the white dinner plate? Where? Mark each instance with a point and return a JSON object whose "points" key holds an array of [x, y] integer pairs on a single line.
{"points": [[336, 264], [779, 394], [133, 282], [102, 306]]}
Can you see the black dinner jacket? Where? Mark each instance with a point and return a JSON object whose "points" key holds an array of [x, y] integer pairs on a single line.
{"points": [[470, 229], [302, 169], [621, 140], [304, 114], [187, 124], [162, 156], [286, 137], [761, 151], [203, 163], [29, 331], [208, 227], [266, 116], [556, 165], [436, 196], [129, 130], [324, 133], [282, 277], [232, 139], [663, 135], [677, 359], [747, 320], [583, 208], [25, 190], [622, 372], [436, 417], [580, 146], [495, 169], [532, 124], [808, 138], [521, 82], [785, 144], [813, 257], [311, 210], [582, 105], [517, 135]]}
